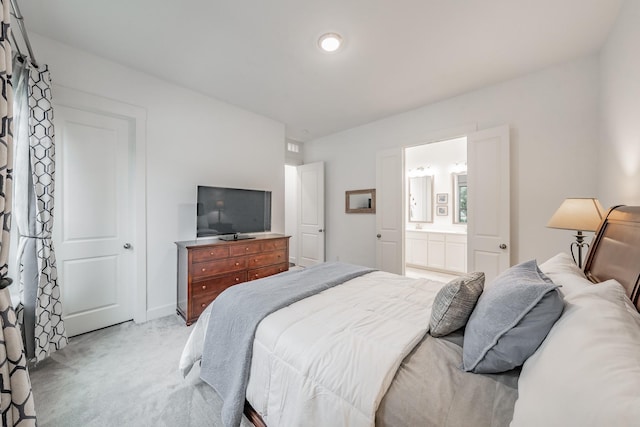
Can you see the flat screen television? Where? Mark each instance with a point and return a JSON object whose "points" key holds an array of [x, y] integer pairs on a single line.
{"points": [[224, 211]]}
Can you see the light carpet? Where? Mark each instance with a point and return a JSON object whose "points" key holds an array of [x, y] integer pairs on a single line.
{"points": [[124, 375]]}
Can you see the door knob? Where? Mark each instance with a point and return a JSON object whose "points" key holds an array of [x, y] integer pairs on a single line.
{"points": [[503, 246], [378, 235], [127, 246], [321, 230]]}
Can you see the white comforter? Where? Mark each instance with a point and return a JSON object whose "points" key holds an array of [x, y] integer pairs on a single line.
{"points": [[330, 358]]}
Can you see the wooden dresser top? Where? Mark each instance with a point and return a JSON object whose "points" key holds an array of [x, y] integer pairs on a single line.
{"points": [[215, 241]]}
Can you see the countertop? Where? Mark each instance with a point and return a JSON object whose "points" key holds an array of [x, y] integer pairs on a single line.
{"points": [[427, 230]]}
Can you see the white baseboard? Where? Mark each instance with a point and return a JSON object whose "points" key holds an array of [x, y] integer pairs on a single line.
{"points": [[162, 311]]}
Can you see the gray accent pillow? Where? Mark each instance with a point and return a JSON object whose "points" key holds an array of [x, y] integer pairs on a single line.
{"points": [[511, 319], [454, 303]]}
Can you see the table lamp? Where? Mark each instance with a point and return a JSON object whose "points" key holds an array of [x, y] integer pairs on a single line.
{"points": [[579, 215]]}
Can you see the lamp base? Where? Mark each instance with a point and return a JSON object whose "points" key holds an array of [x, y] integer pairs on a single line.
{"points": [[578, 245]]}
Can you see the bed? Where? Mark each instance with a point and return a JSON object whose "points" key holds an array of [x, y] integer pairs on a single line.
{"points": [[386, 368]]}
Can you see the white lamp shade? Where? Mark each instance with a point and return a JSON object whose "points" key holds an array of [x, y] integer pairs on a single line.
{"points": [[578, 214]]}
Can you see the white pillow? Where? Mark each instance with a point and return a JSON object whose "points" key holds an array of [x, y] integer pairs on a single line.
{"points": [[564, 272], [587, 371]]}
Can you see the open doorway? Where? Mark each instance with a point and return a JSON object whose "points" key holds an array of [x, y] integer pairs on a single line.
{"points": [[304, 213], [488, 206], [304, 207], [436, 200]]}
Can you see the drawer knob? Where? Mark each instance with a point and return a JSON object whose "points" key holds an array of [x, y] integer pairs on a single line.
{"points": [[237, 279], [237, 263], [246, 249], [210, 253], [204, 286], [203, 305], [255, 275], [255, 260], [204, 269]]}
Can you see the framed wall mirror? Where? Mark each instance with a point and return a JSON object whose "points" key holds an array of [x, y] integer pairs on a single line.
{"points": [[421, 199], [360, 201], [460, 198]]}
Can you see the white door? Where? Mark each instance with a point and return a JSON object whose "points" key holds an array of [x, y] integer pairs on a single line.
{"points": [[389, 211], [93, 223], [488, 201], [311, 214]]}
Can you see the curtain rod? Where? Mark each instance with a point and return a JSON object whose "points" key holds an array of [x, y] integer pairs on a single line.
{"points": [[23, 30]]}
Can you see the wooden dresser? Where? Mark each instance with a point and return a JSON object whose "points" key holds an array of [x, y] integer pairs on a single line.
{"points": [[206, 268]]}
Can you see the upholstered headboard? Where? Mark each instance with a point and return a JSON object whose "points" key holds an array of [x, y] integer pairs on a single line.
{"points": [[615, 251]]}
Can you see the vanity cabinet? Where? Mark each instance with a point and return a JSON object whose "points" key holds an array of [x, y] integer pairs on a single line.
{"points": [[417, 249], [455, 252], [436, 250]]}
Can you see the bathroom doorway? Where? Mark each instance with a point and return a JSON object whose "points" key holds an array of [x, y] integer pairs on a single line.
{"points": [[436, 201]]}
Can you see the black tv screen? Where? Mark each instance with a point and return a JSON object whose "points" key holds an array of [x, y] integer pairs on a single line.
{"points": [[232, 211]]}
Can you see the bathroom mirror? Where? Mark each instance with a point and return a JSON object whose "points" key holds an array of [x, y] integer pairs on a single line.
{"points": [[421, 199], [360, 201], [460, 198]]}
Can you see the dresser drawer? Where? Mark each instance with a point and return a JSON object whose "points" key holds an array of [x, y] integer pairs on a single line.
{"points": [[200, 302], [259, 273], [212, 268], [265, 259], [272, 245], [244, 249], [218, 284], [207, 254]]}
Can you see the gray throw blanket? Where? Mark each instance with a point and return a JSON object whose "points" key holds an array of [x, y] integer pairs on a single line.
{"points": [[235, 315]]}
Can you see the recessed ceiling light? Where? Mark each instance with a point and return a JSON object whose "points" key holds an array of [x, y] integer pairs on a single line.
{"points": [[330, 42]]}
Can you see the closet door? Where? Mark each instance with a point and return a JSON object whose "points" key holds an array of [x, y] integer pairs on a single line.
{"points": [[311, 214], [93, 219]]}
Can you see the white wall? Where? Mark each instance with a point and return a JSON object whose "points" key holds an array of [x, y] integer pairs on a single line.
{"points": [[191, 139], [553, 117], [619, 148]]}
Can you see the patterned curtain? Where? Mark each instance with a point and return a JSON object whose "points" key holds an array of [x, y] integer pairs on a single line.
{"points": [[16, 399], [40, 313]]}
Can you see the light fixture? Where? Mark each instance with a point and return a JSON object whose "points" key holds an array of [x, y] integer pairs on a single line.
{"points": [[579, 215], [460, 167], [330, 42], [420, 171]]}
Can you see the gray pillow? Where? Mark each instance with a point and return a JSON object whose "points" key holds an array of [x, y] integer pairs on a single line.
{"points": [[511, 319], [454, 303]]}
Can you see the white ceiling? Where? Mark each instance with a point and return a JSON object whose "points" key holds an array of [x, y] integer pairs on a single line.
{"points": [[262, 55]]}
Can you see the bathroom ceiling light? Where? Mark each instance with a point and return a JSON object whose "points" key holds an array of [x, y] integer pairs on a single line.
{"points": [[330, 42]]}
